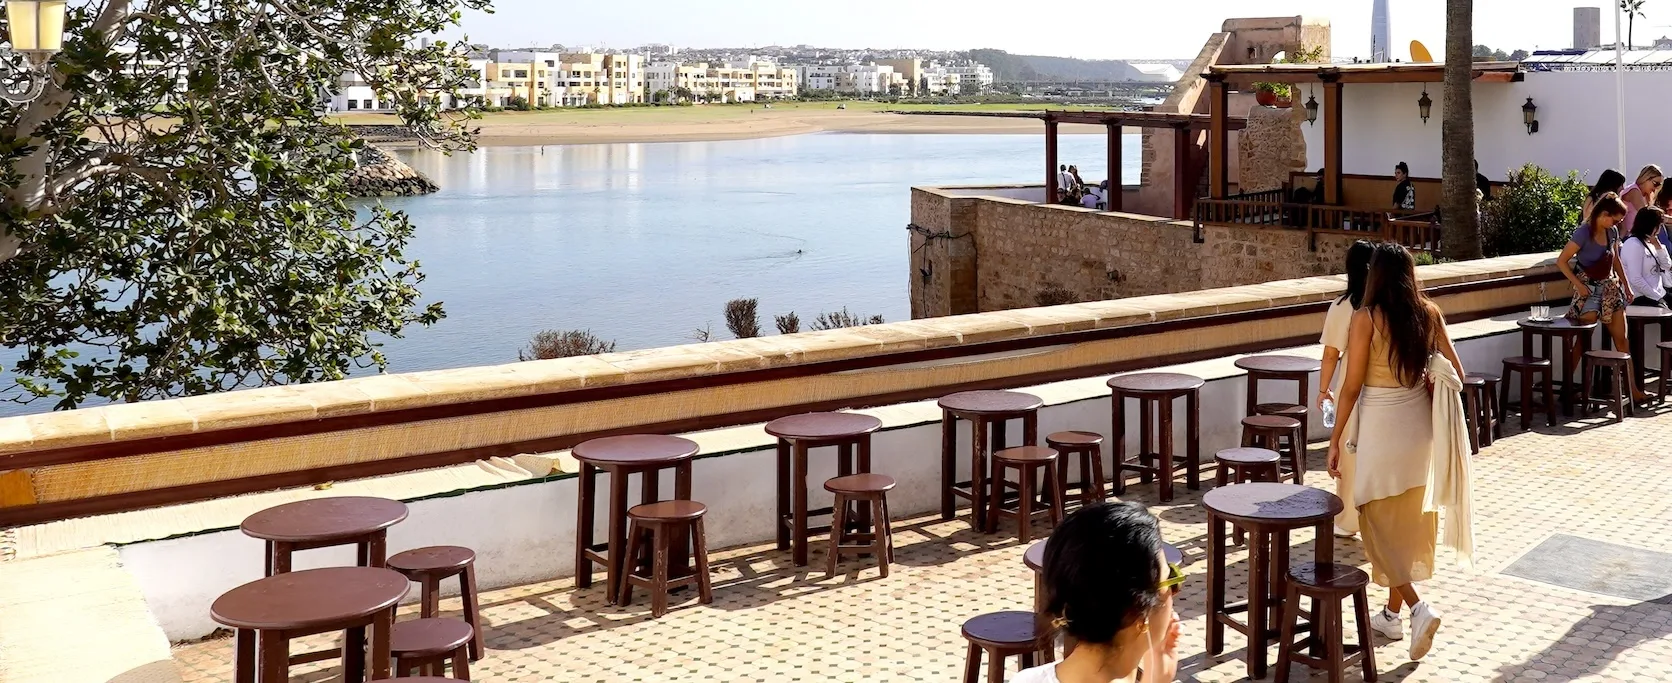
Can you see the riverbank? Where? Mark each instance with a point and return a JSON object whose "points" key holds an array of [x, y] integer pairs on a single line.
{"points": [[736, 122]]}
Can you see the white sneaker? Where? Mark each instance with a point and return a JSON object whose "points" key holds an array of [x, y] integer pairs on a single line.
{"points": [[1343, 533], [1425, 622], [1388, 625]]}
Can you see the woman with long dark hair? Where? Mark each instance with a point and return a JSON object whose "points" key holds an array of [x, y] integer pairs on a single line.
{"points": [[1599, 284], [1108, 585], [1336, 324], [1391, 362], [1646, 260], [1610, 181]]}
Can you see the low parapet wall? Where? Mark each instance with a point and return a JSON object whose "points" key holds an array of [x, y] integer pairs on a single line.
{"points": [[124, 457]]}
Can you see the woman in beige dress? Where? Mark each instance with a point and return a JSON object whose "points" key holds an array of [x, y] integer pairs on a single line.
{"points": [[1386, 388]]}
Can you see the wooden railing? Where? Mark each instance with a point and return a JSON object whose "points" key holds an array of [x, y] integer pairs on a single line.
{"points": [[1418, 232]]}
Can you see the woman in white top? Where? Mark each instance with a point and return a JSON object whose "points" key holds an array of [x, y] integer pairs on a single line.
{"points": [[1336, 324], [1108, 585], [1645, 259]]}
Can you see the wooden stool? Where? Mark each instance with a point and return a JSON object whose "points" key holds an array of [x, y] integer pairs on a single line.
{"points": [[359, 601], [1474, 409], [871, 489], [359, 521], [1088, 446], [999, 635], [653, 532], [988, 413], [1492, 426], [1155, 393], [426, 646], [1619, 393], [429, 567], [1269, 431], [1027, 461], [1329, 585], [1530, 368], [646, 455], [1665, 367], [1243, 465], [797, 434]]}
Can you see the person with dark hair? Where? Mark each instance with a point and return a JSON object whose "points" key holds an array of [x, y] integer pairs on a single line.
{"points": [[1108, 585], [1404, 195], [1312, 195], [1482, 184], [1645, 260], [1663, 201], [1398, 432], [1600, 289], [1610, 181], [1336, 324]]}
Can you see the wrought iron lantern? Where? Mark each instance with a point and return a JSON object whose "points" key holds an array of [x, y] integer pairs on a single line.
{"points": [[1425, 106], [35, 29], [1529, 116], [1311, 108]]}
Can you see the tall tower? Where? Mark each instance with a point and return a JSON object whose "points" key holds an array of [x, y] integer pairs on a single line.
{"points": [[1587, 28], [1381, 33]]}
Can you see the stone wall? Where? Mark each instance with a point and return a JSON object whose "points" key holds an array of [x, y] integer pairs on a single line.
{"points": [[982, 254], [1270, 148], [382, 175]]}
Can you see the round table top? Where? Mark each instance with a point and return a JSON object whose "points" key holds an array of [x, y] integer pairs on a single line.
{"points": [[1273, 504], [1557, 325], [991, 402], [636, 449], [1271, 422], [1001, 628], [1026, 454], [1609, 354], [428, 637], [1279, 364], [1648, 312], [324, 519], [310, 598], [1155, 382], [668, 510], [1034, 558], [1248, 456], [864, 482], [821, 426], [1074, 438], [433, 559]]}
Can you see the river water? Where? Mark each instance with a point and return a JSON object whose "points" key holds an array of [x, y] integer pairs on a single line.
{"points": [[644, 243]]}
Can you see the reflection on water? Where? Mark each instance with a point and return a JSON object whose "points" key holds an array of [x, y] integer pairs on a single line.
{"points": [[644, 243]]}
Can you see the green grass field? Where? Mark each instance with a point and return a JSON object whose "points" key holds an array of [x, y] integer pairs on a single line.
{"points": [[712, 112]]}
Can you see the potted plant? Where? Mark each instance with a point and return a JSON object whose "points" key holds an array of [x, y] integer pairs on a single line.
{"points": [[1273, 95]]}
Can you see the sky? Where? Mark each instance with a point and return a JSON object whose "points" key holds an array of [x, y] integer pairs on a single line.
{"points": [[1121, 29]]}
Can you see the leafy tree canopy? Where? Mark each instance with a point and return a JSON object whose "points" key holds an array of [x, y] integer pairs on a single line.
{"points": [[173, 214]]}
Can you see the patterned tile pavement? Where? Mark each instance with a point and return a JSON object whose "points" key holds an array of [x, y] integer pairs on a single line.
{"points": [[773, 622]]}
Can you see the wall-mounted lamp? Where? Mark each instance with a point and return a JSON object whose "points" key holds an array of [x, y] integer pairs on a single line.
{"points": [[1529, 116], [1311, 108], [1425, 106], [35, 29]]}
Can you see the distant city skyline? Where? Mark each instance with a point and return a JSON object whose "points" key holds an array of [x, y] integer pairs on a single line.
{"points": [[1140, 30]]}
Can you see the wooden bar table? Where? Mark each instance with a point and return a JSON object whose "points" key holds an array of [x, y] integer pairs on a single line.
{"points": [[988, 413], [623, 456], [325, 522], [267, 613], [1268, 512], [1567, 335], [849, 434]]}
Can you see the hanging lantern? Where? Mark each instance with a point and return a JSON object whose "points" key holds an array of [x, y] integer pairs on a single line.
{"points": [[1425, 106], [36, 26], [1529, 116], [1311, 109]]}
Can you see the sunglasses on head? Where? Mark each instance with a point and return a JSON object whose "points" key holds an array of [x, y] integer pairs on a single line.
{"points": [[1175, 578]]}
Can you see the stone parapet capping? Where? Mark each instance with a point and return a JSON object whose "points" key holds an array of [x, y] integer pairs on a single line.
{"points": [[148, 449]]}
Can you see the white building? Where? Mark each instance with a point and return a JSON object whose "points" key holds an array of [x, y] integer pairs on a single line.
{"points": [[353, 94], [821, 77], [971, 77]]}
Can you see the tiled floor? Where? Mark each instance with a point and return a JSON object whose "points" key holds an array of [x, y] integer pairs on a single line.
{"points": [[773, 622]]}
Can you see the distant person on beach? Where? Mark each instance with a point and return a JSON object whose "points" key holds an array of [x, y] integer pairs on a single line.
{"points": [[1404, 195]]}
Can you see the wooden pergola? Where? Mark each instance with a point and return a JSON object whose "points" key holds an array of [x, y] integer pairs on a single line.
{"points": [[1332, 78]]}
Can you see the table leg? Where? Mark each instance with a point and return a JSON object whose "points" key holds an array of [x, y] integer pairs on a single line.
{"points": [[798, 534], [949, 464], [1164, 464], [585, 488], [1146, 444], [978, 474], [618, 534], [274, 657], [1193, 439], [377, 549], [1259, 565], [783, 495], [382, 623], [1001, 436], [1526, 343], [1117, 425], [1216, 583], [1251, 392], [354, 654], [281, 556], [1030, 429], [243, 667], [1279, 576]]}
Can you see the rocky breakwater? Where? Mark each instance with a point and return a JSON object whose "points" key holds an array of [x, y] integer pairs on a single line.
{"points": [[382, 175]]}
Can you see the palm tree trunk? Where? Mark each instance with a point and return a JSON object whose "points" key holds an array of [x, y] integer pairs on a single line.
{"points": [[1457, 137]]}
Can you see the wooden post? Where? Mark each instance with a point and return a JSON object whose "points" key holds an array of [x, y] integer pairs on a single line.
{"points": [[1050, 160], [1113, 195], [1332, 143], [1181, 171], [1218, 140]]}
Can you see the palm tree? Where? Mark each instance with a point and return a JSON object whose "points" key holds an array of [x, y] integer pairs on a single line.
{"points": [[1457, 137], [1633, 9]]}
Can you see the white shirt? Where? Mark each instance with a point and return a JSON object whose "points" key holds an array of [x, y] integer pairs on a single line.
{"points": [[1064, 180], [1038, 674], [1646, 266], [1337, 323]]}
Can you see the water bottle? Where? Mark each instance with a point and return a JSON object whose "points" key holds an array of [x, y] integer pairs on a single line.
{"points": [[1329, 413]]}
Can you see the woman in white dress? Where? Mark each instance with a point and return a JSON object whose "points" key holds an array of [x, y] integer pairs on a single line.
{"points": [[1108, 585], [1334, 339]]}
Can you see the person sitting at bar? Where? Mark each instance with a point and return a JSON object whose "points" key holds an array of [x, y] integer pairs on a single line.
{"points": [[1311, 195], [1404, 195], [1645, 259], [1065, 182], [1074, 173]]}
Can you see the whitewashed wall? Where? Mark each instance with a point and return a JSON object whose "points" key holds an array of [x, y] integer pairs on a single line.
{"points": [[1577, 125]]}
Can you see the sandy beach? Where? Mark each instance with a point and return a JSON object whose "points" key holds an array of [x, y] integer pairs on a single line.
{"points": [[733, 122]]}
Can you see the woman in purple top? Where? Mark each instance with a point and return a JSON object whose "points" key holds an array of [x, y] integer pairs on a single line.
{"points": [[1600, 291]]}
